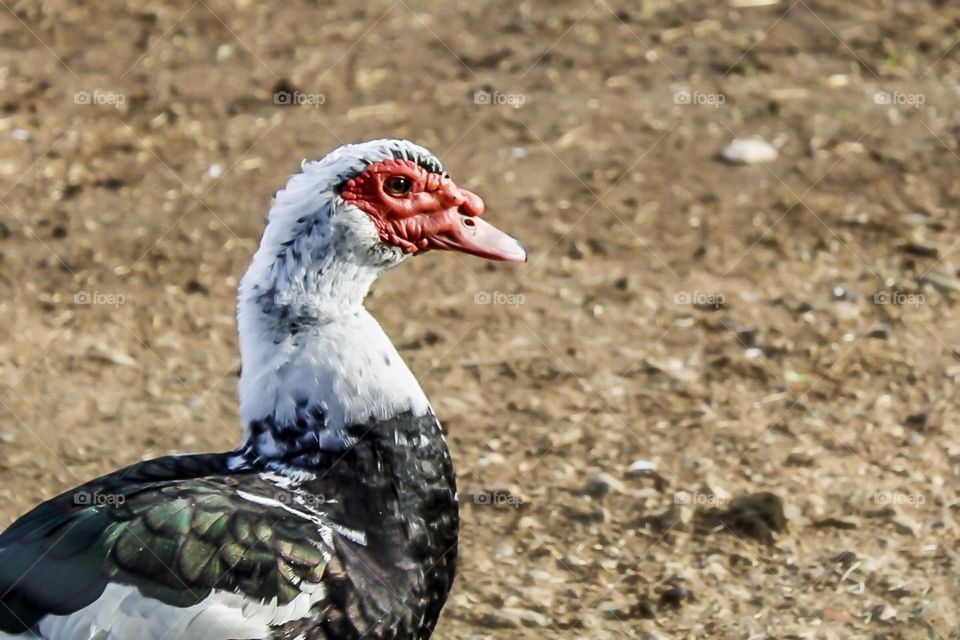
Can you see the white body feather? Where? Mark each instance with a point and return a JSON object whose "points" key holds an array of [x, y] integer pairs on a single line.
{"points": [[351, 369], [123, 613]]}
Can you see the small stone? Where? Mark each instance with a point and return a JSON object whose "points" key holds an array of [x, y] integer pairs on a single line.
{"points": [[799, 459], [906, 525], [755, 515], [879, 331], [920, 250], [535, 576], [529, 618], [915, 219], [834, 614], [674, 597], [917, 421], [837, 80], [601, 484], [746, 335], [195, 287], [740, 560], [748, 151], [834, 523], [883, 612], [224, 52], [641, 467]]}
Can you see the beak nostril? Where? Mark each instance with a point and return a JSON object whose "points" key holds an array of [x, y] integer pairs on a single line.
{"points": [[469, 222]]}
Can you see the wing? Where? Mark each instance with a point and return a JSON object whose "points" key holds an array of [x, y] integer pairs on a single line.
{"points": [[198, 554]]}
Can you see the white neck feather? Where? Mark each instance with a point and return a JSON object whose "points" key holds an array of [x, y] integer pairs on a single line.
{"points": [[306, 342]]}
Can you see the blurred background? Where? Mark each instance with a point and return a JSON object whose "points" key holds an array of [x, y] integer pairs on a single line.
{"points": [[718, 401]]}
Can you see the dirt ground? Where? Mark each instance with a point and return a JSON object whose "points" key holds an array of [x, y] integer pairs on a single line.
{"points": [[688, 338]]}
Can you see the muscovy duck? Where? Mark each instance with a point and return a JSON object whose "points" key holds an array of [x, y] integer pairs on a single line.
{"points": [[337, 516]]}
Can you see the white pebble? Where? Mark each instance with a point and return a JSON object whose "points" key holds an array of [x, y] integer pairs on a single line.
{"points": [[749, 151], [224, 52], [641, 466]]}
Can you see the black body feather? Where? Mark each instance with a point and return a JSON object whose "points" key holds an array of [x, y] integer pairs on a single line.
{"points": [[180, 527]]}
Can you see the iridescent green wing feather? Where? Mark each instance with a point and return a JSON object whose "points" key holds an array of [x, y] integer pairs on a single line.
{"points": [[176, 539]]}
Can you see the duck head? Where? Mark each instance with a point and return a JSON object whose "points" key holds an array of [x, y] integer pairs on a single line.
{"points": [[305, 338]]}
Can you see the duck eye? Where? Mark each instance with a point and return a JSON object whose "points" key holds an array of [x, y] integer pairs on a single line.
{"points": [[397, 185]]}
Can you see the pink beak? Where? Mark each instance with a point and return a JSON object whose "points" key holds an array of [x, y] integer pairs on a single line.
{"points": [[461, 229], [473, 235]]}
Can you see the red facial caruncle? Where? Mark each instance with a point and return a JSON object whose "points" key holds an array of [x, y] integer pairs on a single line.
{"points": [[417, 210]]}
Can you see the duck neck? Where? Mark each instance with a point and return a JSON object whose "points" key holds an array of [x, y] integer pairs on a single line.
{"points": [[314, 362]]}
